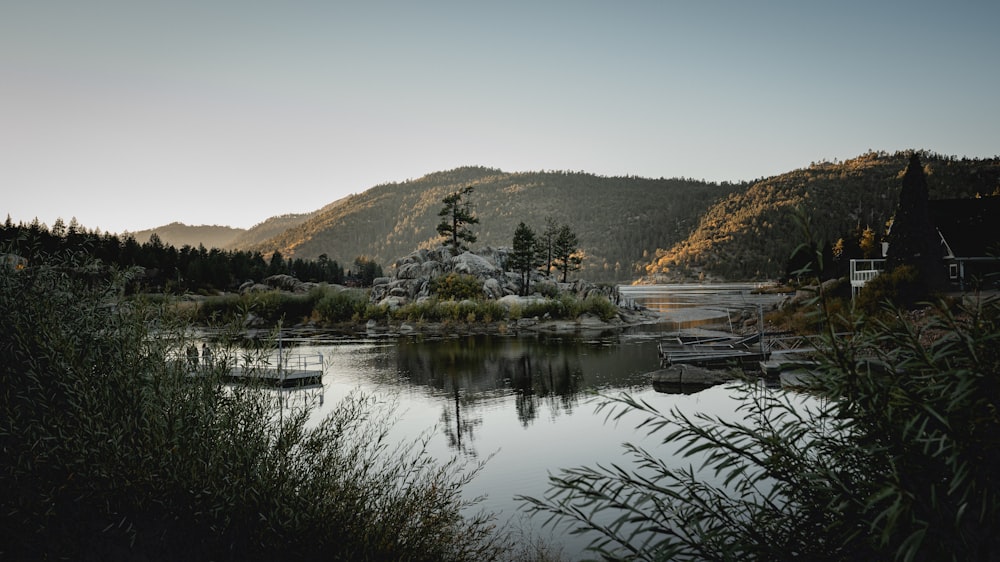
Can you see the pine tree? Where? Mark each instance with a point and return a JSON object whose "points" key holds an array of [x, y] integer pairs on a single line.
{"points": [[565, 251], [546, 242], [524, 256], [456, 216]]}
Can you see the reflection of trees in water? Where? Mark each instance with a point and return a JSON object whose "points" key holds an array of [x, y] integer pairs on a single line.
{"points": [[470, 368], [461, 426], [554, 379]]}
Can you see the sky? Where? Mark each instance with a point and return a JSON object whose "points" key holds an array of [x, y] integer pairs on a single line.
{"points": [[131, 114]]}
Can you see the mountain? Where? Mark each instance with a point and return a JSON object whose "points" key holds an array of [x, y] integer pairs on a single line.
{"points": [[620, 221], [263, 231], [751, 233], [178, 234], [628, 227]]}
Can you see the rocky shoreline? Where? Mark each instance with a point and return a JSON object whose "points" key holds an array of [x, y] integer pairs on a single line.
{"points": [[414, 282]]}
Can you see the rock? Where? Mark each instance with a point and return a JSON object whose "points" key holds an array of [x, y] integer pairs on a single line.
{"points": [[392, 302], [515, 300], [282, 281], [472, 264], [254, 288], [492, 289], [588, 320], [409, 271]]}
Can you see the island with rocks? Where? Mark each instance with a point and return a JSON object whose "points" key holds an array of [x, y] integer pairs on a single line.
{"points": [[434, 290]]}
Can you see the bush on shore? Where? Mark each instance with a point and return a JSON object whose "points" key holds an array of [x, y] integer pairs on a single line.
{"points": [[329, 306], [897, 459], [111, 451]]}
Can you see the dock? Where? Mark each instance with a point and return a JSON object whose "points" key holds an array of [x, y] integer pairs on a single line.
{"points": [[713, 350], [289, 370], [719, 350]]}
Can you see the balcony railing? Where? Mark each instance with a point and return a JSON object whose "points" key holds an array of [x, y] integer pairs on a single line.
{"points": [[863, 271]]}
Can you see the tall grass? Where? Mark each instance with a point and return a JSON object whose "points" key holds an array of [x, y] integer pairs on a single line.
{"points": [[898, 459], [112, 450]]}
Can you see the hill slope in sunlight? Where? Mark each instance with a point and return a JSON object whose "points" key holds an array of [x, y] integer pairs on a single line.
{"points": [[620, 221], [751, 233]]}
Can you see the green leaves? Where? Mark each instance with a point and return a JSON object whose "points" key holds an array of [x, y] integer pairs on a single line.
{"points": [[110, 447], [897, 457]]}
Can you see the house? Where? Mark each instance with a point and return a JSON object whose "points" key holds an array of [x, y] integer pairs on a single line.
{"points": [[970, 239], [969, 230]]}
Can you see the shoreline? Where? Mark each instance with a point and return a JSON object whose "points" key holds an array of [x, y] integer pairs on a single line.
{"points": [[585, 324]]}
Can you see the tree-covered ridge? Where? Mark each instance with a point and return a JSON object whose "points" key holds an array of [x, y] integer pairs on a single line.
{"points": [[164, 267], [265, 230], [617, 219], [751, 233], [179, 234]]}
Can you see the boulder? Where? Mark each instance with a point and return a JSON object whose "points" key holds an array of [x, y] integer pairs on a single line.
{"points": [[472, 264], [492, 289], [286, 283], [393, 302]]}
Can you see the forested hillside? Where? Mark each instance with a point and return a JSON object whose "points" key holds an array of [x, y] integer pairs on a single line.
{"points": [[751, 233], [178, 234], [620, 221], [263, 231]]}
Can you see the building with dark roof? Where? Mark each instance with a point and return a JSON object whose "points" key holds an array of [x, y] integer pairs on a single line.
{"points": [[970, 239]]}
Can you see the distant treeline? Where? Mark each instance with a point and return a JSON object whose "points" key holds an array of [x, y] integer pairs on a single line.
{"points": [[169, 269]]}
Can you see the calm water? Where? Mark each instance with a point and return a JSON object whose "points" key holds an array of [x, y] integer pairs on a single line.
{"points": [[528, 400]]}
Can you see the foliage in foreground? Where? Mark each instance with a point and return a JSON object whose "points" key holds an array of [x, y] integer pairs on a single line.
{"points": [[894, 455], [111, 451]]}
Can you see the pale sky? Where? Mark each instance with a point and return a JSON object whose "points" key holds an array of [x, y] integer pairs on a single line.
{"points": [[131, 114]]}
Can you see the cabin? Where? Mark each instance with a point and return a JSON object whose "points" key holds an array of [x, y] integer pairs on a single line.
{"points": [[970, 240], [970, 244]]}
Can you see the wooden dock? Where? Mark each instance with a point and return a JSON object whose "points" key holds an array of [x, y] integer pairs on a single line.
{"points": [[288, 370], [713, 351], [717, 350]]}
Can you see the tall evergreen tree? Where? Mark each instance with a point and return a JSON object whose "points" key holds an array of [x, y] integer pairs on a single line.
{"points": [[456, 218], [524, 257], [565, 254], [912, 239], [546, 243], [277, 264]]}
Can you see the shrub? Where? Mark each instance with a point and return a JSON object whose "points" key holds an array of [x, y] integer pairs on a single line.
{"points": [[218, 309], [111, 449], [341, 306], [896, 460], [598, 306], [547, 289], [457, 286], [900, 286]]}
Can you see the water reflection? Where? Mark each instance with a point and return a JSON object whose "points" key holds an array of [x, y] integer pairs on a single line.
{"points": [[473, 369], [525, 400]]}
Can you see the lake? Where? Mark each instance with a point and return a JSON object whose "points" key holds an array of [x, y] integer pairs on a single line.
{"points": [[528, 400]]}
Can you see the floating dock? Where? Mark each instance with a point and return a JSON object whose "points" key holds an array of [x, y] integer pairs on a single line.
{"points": [[289, 370], [719, 350]]}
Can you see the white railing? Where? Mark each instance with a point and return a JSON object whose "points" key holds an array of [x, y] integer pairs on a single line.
{"points": [[863, 271]]}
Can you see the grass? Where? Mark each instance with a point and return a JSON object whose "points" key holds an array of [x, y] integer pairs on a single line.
{"points": [[331, 306], [111, 451]]}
